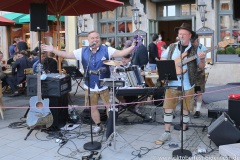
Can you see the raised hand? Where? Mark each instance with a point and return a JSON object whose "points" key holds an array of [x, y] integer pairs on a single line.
{"points": [[137, 41], [47, 48]]}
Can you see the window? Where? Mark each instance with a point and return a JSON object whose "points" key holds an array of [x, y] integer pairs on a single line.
{"points": [[116, 26], [185, 9], [224, 5], [228, 29], [170, 10]]}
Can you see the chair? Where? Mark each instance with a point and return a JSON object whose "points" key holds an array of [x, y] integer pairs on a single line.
{"points": [[76, 75], [23, 84]]}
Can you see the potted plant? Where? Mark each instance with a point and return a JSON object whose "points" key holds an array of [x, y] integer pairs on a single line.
{"points": [[230, 50], [237, 51]]}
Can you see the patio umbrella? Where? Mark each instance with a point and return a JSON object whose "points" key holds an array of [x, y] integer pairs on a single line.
{"points": [[26, 18], [21, 18], [62, 7], [6, 22]]}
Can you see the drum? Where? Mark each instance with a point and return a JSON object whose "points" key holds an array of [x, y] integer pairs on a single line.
{"points": [[134, 76]]}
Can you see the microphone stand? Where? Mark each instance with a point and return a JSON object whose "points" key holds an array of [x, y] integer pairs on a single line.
{"points": [[93, 145], [181, 153]]}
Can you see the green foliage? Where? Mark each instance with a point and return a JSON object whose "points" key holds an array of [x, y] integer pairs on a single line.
{"points": [[237, 51], [221, 51], [230, 50]]}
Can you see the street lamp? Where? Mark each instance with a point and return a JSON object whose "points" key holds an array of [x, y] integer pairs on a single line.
{"points": [[202, 10], [136, 17], [82, 23]]}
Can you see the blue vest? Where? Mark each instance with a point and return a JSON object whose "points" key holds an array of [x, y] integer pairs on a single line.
{"points": [[96, 62]]}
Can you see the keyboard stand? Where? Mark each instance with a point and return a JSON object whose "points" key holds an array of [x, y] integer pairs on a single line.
{"points": [[130, 107], [78, 80]]}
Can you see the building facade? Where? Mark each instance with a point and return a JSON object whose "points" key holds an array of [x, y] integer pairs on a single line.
{"points": [[161, 17]]}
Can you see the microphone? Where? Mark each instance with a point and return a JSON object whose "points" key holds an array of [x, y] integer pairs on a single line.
{"points": [[180, 41], [93, 44]]}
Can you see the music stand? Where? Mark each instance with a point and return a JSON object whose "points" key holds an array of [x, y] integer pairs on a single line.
{"points": [[76, 75], [166, 70]]}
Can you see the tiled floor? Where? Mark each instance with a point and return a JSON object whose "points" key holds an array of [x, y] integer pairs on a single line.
{"points": [[132, 140]]}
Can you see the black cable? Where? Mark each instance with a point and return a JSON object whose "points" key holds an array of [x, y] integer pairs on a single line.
{"points": [[17, 125], [145, 150]]}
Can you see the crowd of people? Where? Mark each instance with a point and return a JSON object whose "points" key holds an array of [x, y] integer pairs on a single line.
{"points": [[19, 60]]}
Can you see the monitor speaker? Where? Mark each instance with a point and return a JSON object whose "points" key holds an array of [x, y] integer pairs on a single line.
{"points": [[234, 110], [236, 6], [38, 17], [223, 131]]}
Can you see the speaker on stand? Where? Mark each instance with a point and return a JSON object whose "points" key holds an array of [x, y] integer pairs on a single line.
{"points": [[38, 17]]}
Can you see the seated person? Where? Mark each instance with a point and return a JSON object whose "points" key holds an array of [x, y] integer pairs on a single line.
{"points": [[49, 64], [34, 56], [18, 72], [13, 59], [126, 61], [3, 77]]}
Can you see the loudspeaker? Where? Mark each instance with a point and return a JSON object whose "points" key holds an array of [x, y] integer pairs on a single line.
{"points": [[223, 131], [234, 110], [38, 17], [236, 6], [216, 112], [60, 113]]}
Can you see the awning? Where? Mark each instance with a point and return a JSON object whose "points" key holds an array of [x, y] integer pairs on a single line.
{"points": [[6, 21], [26, 18], [14, 16], [21, 18]]}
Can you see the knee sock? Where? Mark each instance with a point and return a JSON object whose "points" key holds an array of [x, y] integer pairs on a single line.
{"points": [[199, 104]]}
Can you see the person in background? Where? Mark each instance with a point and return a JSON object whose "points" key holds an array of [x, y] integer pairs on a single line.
{"points": [[153, 52], [10, 61], [163, 47], [1, 58], [94, 55], [12, 49], [22, 45], [189, 78], [3, 77], [18, 72], [159, 45], [140, 54], [34, 56], [49, 64], [43, 57], [200, 76]]}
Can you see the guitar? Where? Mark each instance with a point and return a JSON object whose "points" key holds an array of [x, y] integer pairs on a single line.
{"points": [[179, 64], [39, 114]]}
